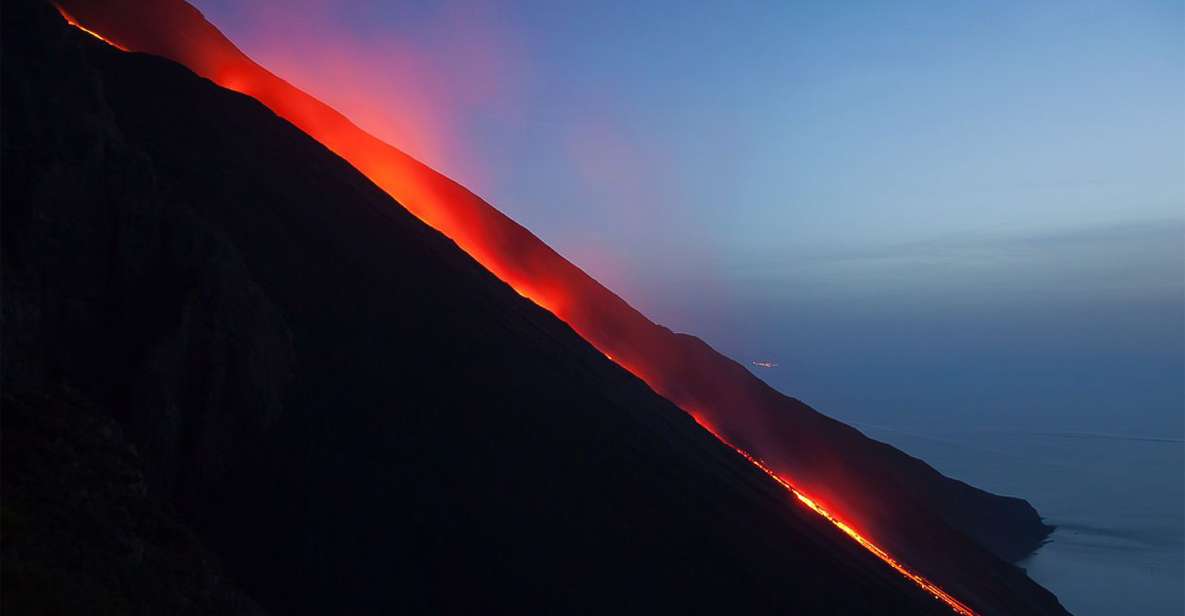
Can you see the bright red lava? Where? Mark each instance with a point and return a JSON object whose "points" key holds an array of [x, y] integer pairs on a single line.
{"points": [[70, 20], [916, 578], [445, 206]]}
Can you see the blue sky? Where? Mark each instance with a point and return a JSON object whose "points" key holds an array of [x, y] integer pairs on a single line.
{"points": [[924, 211]]}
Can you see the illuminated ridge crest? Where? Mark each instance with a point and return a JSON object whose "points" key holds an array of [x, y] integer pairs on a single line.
{"points": [[404, 180], [70, 20]]}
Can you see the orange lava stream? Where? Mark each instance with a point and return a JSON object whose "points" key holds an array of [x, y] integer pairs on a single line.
{"points": [[405, 182], [926, 585], [70, 20]]}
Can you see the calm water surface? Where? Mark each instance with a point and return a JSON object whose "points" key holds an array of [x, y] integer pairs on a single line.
{"points": [[1118, 503]]}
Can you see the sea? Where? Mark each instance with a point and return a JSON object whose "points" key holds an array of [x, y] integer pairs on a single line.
{"points": [[1117, 503]]}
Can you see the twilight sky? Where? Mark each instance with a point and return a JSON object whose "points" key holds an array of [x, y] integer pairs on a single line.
{"points": [[925, 212]]}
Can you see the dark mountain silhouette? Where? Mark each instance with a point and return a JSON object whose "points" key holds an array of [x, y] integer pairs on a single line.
{"points": [[883, 491], [234, 367]]}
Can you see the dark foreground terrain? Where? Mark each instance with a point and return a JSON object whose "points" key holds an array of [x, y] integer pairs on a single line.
{"points": [[901, 501], [238, 378]]}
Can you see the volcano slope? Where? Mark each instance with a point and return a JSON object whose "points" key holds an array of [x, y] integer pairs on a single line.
{"points": [[349, 413], [898, 500]]}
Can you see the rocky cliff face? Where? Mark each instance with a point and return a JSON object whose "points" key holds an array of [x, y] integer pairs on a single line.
{"points": [[83, 533], [138, 354], [121, 289], [334, 400]]}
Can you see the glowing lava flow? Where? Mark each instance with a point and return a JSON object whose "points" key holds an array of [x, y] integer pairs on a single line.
{"points": [[923, 583], [507, 250], [70, 20]]}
